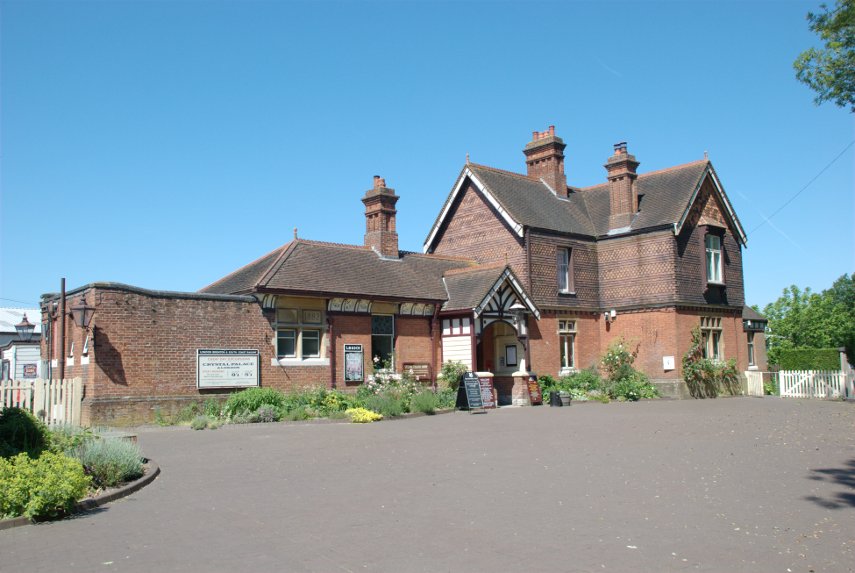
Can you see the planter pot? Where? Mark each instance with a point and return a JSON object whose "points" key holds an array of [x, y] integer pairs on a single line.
{"points": [[565, 399]]}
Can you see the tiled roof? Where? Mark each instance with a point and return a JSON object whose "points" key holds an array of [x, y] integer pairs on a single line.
{"points": [[749, 313], [334, 269], [664, 197], [532, 203], [466, 288]]}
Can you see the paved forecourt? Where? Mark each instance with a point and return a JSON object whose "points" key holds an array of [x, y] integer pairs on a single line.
{"points": [[740, 484]]}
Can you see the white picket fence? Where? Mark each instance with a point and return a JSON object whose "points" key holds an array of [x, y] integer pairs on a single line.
{"points": [[814, 384], [52, 401]]}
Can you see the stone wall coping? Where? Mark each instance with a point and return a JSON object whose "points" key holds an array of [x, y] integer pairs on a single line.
{"points": [[152, 293]]}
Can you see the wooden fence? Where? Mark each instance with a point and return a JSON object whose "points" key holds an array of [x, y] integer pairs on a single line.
{"points": [[814, 384], [52, 401], [755, 383]]}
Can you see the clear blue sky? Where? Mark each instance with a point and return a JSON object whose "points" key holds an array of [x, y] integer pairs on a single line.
{"points": [[165, 144]]}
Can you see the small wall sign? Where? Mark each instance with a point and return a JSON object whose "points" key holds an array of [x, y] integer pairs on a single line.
{"points": [[667, 363], [30, 370], [354, 364], [227, 368]]}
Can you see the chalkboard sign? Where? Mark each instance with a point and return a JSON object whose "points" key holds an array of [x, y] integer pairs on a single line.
{"points": [[487, 397], [534, 392], [469, 392]]}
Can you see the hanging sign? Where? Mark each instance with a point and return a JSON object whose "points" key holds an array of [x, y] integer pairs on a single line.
{"points": [[487, 397], [226, 368], [534, 392], [469, 392], [353, 363]]}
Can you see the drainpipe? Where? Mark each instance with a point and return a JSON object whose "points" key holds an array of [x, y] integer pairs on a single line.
{"points": [[61, 358], [331, 349], [528, 257], [432, 329]]}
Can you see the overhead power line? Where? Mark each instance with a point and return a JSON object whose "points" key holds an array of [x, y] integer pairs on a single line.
{"points": [[815, 177]]}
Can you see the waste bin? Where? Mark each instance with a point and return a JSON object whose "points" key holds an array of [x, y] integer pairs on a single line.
{"points": [[565, 398], [554, 399]]}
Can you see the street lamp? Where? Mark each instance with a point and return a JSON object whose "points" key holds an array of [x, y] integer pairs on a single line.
{"points": [[82, 315], [518, 311], [25, 329]]}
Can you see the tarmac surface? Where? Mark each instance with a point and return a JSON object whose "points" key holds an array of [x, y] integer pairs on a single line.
{"points": [[737, 484]]}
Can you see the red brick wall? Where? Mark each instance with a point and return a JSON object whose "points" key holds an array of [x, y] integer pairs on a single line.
{"points": [[638, 269], [544, 346], [544, 275], [652, 332], [351, 329], [473, 229], [691, 256]]}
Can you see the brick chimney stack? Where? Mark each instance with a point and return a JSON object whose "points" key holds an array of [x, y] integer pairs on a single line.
{"points": [[380, 233], [623, 193], [544, 159]]}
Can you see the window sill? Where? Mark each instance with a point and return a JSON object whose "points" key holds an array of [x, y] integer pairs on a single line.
{"points": [[300, 362], [567, 292], [567, 371], [716, 284], [753, 367]]}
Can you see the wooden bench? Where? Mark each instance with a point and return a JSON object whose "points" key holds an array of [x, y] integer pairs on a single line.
{"points": [[418, 370]]}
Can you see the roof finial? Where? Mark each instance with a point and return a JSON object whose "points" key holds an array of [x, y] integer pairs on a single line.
{"points": [[295, 233], [706, 155], [467, 158]]}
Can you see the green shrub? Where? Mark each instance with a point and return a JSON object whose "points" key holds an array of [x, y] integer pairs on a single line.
{"points": [[111, 461], [446, 398], [809, 359], [707, 378], [388, 405], [586, 380], [20, 432], [633, 388], [44, 487], [451, 373], [250, 400], [199, 422], [65, 438], [426, 402], [268, 414], [770, 388], [213, 408], [297, 414]]}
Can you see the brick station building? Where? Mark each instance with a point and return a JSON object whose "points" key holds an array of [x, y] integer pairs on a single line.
{"points": [[520, 273]]}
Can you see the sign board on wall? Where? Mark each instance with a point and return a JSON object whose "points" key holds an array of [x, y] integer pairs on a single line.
{"points": [[353, 363], [227, 368], [31, 370]]}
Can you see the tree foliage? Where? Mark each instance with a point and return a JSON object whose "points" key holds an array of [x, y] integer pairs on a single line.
{"points": [[801, 318], [830, 71]]}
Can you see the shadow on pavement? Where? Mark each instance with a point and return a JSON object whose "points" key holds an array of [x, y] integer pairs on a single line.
{"points": [[841, 476]]}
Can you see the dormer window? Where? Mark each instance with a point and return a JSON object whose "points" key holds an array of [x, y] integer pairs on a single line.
{"points": [[713, 257]]}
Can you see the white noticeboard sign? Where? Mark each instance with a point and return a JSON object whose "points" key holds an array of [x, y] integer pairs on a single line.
{"points": [[226, 368]]}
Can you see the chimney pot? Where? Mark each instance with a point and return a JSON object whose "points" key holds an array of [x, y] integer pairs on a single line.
{"points": [[551, 130]]}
